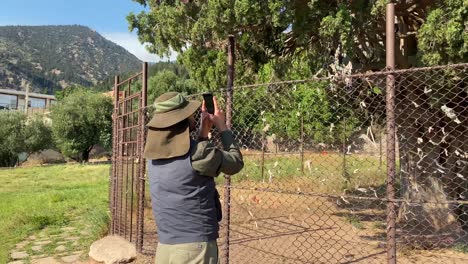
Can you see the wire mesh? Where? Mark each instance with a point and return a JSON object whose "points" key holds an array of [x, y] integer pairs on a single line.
{"points": [[313, 189], [314, 185], [431, 113], [309, 147]]}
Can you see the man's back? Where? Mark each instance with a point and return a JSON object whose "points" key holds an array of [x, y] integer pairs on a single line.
{"points": [[183, 201]]}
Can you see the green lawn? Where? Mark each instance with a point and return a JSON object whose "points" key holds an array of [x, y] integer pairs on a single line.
{"points": [[42, 200]]}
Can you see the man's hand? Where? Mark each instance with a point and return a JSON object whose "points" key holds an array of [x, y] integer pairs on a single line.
{"points": [[206, 124], [207, 119], [218, 118]]}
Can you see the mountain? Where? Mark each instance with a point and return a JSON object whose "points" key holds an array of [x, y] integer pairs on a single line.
{"points": [[50, 58]]}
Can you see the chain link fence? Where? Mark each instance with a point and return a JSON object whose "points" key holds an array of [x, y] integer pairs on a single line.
{"points": [[313, 189], [314, 185]]}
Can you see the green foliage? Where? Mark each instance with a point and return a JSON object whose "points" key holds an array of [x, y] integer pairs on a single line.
{"points": [[59, 95], [13, 124], [281, 31], [460, 247], [153, 69], [38, 134], [443, 37], [265, 31], [165, 81], [81, 120], [290, 40], [20, 134]]}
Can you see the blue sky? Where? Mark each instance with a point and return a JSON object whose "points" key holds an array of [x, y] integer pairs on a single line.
{"points": [[105, 16]]}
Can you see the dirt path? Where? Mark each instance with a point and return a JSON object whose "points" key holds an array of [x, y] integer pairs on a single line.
{"points": [[283, 228]]}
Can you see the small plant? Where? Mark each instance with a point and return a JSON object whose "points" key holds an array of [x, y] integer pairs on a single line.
{"points": [[379, 225], [354, 221], [462, 248]]}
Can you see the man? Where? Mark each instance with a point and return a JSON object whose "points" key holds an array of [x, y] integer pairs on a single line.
{"points": [[181, 175]]}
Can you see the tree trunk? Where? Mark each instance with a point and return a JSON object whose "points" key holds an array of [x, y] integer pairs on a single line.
{"points": [[85, 154]]}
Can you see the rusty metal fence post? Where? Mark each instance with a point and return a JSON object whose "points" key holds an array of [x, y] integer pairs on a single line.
{"points": [[345, 171], [380, 150], [141, 162], [262, 163], [229, 102], [114, 153], [302, 144], [390, 110]]}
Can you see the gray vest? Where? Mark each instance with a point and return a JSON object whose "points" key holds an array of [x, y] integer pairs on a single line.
{"points": [[183, 202]]}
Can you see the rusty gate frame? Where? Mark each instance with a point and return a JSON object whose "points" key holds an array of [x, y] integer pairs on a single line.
{"points": [[127, 151]]}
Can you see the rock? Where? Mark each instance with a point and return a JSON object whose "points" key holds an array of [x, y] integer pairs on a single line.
{"points": [[21, 245], [60, 248], [71, 258], [42, 242], [49, 260], [16, 262], [36, 248], [68, 228], [271, 145], [19, 255], [113, 250]]}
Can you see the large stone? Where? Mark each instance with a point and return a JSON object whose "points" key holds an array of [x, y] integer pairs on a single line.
{"points": [[19, 255], [60, 248], [43, 242], [68, 228], [21, 245], [113, 250], [16, 262], [49, 260], [36, 248], [271, 145]]}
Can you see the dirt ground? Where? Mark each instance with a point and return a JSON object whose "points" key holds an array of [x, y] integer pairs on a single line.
{"points": [[269, 227]]}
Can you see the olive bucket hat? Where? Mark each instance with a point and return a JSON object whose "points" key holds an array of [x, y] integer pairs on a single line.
{"points": [[168, 130]]}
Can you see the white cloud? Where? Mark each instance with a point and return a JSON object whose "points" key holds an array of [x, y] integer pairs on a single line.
{"points": [[130, 42]]}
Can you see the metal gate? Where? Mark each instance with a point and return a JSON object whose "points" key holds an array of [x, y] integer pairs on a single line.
{"points": [[127, 181]]}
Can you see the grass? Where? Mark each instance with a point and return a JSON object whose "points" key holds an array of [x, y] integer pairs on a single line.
{"points": [[326, 173], [44, 199]]}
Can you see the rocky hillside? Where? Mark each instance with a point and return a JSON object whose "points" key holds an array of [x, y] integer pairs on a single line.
{"points": [[50, 58]]}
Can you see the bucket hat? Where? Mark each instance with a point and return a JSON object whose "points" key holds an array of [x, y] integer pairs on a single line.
{"points": [[168, 131]]}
